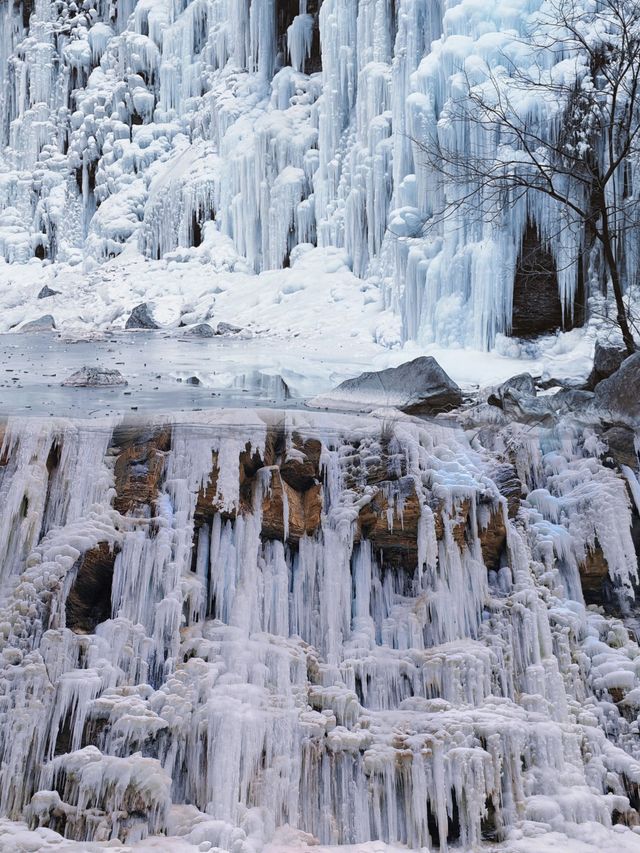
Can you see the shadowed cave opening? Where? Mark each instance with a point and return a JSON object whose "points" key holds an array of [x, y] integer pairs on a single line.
{"points": [[537, 308], [286, 12]]}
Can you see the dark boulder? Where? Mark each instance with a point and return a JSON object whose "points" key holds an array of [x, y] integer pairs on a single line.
{"points": [[418, 387], [140, 318], [606, 360], [618, 398], [202, 330], [523, 383], [46, 292], [621, 447]]}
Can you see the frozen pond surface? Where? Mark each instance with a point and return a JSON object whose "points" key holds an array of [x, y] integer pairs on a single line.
{"points": [[158, 366]]}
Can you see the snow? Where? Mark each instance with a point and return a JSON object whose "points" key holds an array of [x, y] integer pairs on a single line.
{"points": [[314, 325]]}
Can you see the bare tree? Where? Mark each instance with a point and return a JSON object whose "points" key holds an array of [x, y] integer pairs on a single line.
{"points": [[581, 150]]}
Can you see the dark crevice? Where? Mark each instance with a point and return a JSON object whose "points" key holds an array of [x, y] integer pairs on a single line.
{"points": [[89, 600], [537, 309]]}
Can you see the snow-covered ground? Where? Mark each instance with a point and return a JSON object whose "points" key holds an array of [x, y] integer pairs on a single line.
{"points": [[588, 837], [314, 324]]}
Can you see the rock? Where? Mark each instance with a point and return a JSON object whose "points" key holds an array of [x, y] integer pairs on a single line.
{"points": [[593, 573], [139, 468], [95, 377], [418, 387], [493, 535], [506, 478], [398, 540], [618, 397], [202, 330], [606, 360], [140, 318], [193, 380], [305, 510], [523, 383], [45, 323], [46, 292], [301, 468], [89, 600], [539, 410], [227, 329], [621, 446]]}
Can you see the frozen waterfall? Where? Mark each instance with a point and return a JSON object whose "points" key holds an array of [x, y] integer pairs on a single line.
{"points": [[255, 622], [149, 127]]}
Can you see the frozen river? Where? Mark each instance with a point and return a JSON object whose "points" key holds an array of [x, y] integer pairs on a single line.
{"points": [[162, 370]]}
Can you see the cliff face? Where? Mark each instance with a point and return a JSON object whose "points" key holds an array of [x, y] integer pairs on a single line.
{"points": [[361, 629]]}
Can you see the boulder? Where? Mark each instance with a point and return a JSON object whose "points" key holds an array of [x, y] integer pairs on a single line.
{"points": [[202, 330], [418, 387], [95, 377], [193, 380], [539, 410], [227, 329], [618, 398], [523, 383], [606, 360], [140, 318], [46, 292], [45, 323], [621, 447]]}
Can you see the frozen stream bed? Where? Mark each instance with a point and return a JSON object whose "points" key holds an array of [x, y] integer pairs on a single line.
{"points": [[160, 367]]}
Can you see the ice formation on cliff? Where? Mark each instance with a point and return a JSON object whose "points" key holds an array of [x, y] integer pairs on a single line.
{"points": [[219, 628], [280, 124]]}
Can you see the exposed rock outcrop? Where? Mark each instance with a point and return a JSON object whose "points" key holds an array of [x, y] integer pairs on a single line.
{"points": [[139, 467], [89, 601]]}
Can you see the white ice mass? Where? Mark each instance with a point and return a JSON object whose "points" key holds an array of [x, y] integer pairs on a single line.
{"points": [[218, 140]]}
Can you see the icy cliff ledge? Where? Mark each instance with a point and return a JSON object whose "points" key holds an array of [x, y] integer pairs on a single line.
{"points": [[364, 629]]}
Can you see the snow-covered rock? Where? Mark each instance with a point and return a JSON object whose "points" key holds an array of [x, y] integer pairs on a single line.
{"points": [[46, 323], [201, 330], [94, 377]]}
